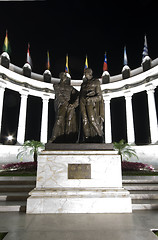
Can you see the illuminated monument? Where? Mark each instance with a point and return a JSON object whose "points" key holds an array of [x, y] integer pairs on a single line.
{"points": [[124, 85]]}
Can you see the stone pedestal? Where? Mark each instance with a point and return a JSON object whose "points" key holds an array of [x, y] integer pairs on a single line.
{"points": [[79, 181]]}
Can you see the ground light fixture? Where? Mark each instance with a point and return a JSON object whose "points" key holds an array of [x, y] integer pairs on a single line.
{"points": [[10, 138]]}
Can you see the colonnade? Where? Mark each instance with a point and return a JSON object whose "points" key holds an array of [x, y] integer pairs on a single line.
{"points": [[23, 112], [153, 122], [128, 94]]}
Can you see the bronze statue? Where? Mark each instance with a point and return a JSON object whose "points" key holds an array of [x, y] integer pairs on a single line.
{"points": [[66, 103], [92, 108]]}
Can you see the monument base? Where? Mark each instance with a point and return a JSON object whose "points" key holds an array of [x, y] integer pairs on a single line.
{"points": [[79, 181], [79, 200]]}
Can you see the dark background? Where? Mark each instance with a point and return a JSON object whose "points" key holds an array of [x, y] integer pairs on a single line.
{"points": [[79, 28]]}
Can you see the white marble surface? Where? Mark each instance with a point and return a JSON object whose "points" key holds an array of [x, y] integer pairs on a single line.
{"points": [[56, 193], [79, 201], [53, 169]]}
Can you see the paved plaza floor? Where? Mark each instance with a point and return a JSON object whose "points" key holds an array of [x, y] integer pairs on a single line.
{"points": [[135, 226]]}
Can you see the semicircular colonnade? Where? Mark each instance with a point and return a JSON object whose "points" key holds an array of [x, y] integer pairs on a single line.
{"points": [[139, 81]]}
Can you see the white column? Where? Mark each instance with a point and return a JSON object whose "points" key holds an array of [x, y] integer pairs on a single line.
{"points": [[129, 118], [108, 134], [2, 89], [44, 123], [22, 118], [152, 114]]}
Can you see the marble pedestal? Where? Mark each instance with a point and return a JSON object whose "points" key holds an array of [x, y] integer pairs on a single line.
{"points": [[79, 182]]}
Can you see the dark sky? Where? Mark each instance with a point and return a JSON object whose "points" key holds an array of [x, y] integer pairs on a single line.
{"points": [[79, 28]]}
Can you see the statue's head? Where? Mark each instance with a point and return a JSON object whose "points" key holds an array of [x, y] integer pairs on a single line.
{"points": [[63, 76], [88, 73]]}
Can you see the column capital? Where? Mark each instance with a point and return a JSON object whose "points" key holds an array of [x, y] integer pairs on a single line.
{"points": [[2, 86], [150, 88], [106, 98], [128, 94], [45, 97], [24, 92]]}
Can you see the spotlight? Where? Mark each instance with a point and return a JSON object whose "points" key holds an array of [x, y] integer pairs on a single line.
{"points": [[10, 138]]}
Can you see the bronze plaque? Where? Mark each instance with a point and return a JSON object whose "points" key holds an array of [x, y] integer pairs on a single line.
{"points": [[79, 171]]}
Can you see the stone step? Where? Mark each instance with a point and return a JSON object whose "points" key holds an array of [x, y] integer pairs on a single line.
{"points": [[17, 180], [141, 182], [16, 188], [140, 178], [17, 183], [14, 192], [140, 187], [13, 196], [13, 206], [151, 204], [144, 196]]}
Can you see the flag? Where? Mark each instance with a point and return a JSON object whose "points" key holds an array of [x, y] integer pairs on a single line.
{"points": [[86, 63], [145, 49], [6, 45], [125, 57], [66, 65], [105, 65], [29, 60], [48, 61]]}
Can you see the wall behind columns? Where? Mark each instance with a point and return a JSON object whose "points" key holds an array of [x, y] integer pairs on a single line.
{"points": [[8, 154], [146, 154]]}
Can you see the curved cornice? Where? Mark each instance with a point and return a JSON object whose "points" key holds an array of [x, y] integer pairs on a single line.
{"points": [[114, 78], [129, 86], [17, 82], [25, 84]]}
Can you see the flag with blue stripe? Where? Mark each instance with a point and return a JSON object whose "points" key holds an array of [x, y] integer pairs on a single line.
{"points": [[86, 63], [105, 64], [67, 66], [125, 57], [145, 49]]}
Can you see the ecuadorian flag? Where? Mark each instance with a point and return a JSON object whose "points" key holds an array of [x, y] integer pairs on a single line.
{"points": [[105, 65], [86, 63], [66, 65], [6, 45]]}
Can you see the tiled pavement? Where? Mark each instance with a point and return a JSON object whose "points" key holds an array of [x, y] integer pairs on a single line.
{"points": [[135, 226]]}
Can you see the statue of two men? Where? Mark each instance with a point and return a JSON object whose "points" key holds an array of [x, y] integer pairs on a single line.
{"points": [[78, 112]]}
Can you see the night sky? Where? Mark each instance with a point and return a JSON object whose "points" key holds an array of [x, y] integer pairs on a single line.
{"points": [[79, 28]]}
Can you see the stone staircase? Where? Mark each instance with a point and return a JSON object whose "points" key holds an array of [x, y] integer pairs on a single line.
{"points": [[143, 191], [14, 192]]}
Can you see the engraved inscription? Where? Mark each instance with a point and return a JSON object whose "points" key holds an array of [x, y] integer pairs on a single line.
{"points": [[79, 171]]}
